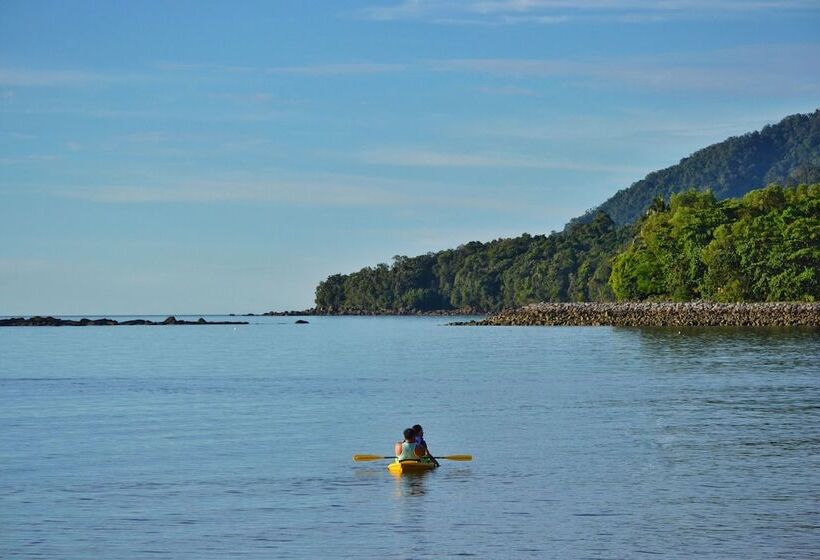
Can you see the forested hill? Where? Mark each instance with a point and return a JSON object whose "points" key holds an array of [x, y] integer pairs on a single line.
{"points": [[764, 246], [573, 265], [577, 264], [787, 153]]}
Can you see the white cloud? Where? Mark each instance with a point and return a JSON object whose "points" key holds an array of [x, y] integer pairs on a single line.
{"points": [[10, 266], [616, 127], [27, 77], [28, 158], [751, 69], [22, 77], [507, 90], [336, 69], [325, 69], [264, 192], [339, 191], [505, 12], [422, 157], [756, 69]]}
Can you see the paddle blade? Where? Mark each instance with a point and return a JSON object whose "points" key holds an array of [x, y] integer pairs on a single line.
{"points": [[359, 458], [457, 457]]}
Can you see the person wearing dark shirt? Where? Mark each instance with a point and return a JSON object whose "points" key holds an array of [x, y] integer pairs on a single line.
{"points": [[421, 443]]}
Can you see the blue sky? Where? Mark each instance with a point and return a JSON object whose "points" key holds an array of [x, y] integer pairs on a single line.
{"points": [[210, 157]]}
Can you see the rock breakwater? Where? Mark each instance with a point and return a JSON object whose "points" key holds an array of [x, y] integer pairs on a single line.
{"points": [[641, 314]]}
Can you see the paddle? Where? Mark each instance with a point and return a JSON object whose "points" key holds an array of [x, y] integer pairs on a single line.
{"points": [[360, 458]]}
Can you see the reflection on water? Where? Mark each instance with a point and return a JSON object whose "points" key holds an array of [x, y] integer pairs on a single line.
{"points": [[411, 484], [364, 473], [689, 342]]}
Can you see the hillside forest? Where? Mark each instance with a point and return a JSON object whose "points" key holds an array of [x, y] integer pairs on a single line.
{"points": [[705, 228], [764, 246]]}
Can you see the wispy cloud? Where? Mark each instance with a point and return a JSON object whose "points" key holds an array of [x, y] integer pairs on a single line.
{"points": [[721, 70], [28, 159], [328, 69], [337, 69], [257, 98], [336, 191], [203, 192], [613, 128], [550, 12], [21, 77], [736, 69], [169, 71], [422, 157], [12, 266], [507, 90], [28, 77], [183, 115]]}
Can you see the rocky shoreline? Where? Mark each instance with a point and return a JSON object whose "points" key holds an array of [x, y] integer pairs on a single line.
{"points": [[316, 311], [38, 321], [641, 314]]}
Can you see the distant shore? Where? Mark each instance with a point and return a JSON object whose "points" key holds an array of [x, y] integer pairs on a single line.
{"points": [[689, 314], [368, 313], [48, 321]]}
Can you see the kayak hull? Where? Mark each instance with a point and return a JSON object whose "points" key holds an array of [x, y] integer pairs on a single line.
{"points": [[407, 467]]}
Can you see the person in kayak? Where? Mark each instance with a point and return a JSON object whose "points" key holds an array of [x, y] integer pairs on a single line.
{"points": [[420, 441], [409, 450]]}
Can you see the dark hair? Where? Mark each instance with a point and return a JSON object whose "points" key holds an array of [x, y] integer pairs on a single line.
{"points": [[409, 434], [418, 429]]}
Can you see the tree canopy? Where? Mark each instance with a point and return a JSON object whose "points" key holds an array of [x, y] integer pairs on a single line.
{"points": [[572, 265], [764, 246]]}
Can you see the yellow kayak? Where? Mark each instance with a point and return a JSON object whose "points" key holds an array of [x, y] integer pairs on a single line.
{"points": [[410, 467]]}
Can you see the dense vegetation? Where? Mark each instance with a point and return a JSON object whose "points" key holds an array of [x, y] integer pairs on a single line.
{"points": [[761, 247], [787, 153], [573, 265], [764, 246]]}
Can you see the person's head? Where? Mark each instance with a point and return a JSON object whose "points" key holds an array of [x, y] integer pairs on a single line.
{"points": [[418, 430], [409, 434]]}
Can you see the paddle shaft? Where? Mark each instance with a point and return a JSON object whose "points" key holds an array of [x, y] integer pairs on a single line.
{"points": [[359, 458]]}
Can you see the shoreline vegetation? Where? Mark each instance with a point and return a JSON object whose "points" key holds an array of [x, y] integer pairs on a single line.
{"points": [[48, 321], [327, 312], [666, 314]]}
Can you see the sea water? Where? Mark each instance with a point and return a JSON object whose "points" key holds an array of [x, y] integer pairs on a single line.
{"points": [[237, 441]]}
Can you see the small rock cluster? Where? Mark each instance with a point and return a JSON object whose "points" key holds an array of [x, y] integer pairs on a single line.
{"points": [[49, 321], [642, 314]]}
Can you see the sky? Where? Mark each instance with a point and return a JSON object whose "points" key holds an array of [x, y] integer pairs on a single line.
{"points": [[224, 157]]}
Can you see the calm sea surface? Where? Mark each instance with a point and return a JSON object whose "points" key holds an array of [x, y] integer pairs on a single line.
{"points": [[236, 442]]}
